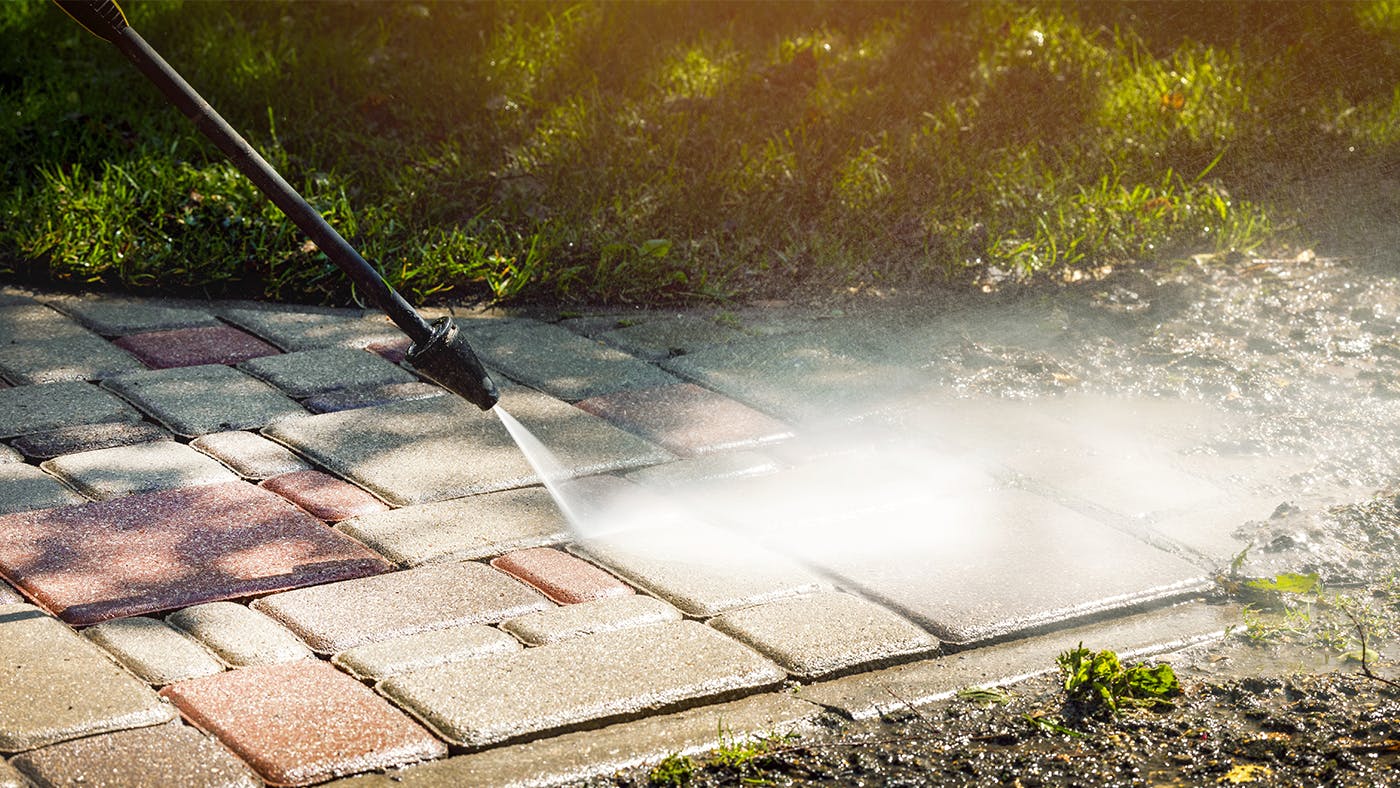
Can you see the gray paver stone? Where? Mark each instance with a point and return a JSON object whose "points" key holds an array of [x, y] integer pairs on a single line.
{"points": [[89, 437], [36, 323], [587, 618], [560, 362], [481, 526], [153, 650], [673, 335], [197, 400], [436, 449], [145, 467], [249, 454], [822, 634], [630, 672], [306, 330], [81, 357], [27, 409], [337, 616], [173, 755], [239, 635], [111, 317], [308, 372], [374, 661], [24, 488], [54, 685]]}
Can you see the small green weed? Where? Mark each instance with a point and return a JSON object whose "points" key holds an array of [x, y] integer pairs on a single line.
{"points": [[674, 769], [1052, 724], [985, 696], [1099, 676]]}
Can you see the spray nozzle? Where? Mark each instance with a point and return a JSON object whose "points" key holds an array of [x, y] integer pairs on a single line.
{"points": [[449, 361]]}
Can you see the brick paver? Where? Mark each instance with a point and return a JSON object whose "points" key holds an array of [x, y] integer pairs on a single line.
{"points": [[350, 399], [26, 409], [307, 372], [323, 495], [36, 323], [193, 347], [686, 419], [374, 661], [153, 650], [80, 357], [560, 576], [560, 362], [88, 437], [248, 454], [193, 401], [160, 755], [140, 468], [114, 317], [239, 635], [24, 488], [306, 330], [587, 618]]}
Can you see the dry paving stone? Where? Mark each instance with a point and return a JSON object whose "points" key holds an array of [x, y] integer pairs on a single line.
{"points": [[324, 495], [374, 661], [54, 685], [8, 454], [299, 330], [441, 448], [822, 634], [161, 551], [193, 401], [467, 528], [170, 755], [153, 650], [350, 399], [113, 318], [10, 777], [302, 722], [561, 577], [145, 467], [560, 362], [239, 635], [249, 455], [629, 672], [24, 488], [9, 596], [308, 372], [338, 616], [88, 437], [36, 323], [27, 409], [686, 419], [393, 351], [81, 357], [588, 618], [193, 347]]}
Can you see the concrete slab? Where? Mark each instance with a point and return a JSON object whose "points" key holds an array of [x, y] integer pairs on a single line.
{"points": [[441, 448], [54, 685], [160, 755], [466, 528], [145, 467], [560, 362], [36, 323], [308, 372], [193, 347], [249, 454], [239, 635], [302, 722], [153, 650], [80, 357], [24, 488], [27, 409], [88, 437], [323, 495], [350, 399], [338, 616], [631, 672], [561, 577], [662, 337], [115, 317], [193, 401], [687, 420], [589, 618], [375, 661], [292, 329]]}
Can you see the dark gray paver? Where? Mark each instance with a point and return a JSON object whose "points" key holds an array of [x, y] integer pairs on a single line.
{"points": [[249, 454], [54, 685], [174, 755], [350, 399], [560, 362], [153, 650], [80, 357], [192, 347], [308, 372], [27, 409], [36, 323], [630, 672], [88, 437], [466, 528], [114, 317], [374, 661], [193, 401], [239, 635], [24, 488], [686, 419], [143, 467], [435, 449], [338, 616], [587, 618], [662, 337], [307, 330]]}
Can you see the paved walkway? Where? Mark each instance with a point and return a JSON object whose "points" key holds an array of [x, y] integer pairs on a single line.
{"points": [[245, 544]]}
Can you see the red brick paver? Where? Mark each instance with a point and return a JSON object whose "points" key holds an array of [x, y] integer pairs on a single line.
{"points": [[560, 576], [394, 350], [686, 419], [190, 347], [324, 495]]}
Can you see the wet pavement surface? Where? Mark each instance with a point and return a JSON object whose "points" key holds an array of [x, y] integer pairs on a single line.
{"points": [[258, 519]]}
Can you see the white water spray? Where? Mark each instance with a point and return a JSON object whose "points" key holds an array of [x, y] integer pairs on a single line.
{"points": [[551, 472]]}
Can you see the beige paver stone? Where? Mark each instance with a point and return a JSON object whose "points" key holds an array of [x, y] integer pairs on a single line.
{"points": [[161, 755], [104, 474], [308, 372], [10, 777], [26, 409], [24, 488], [560, 362], [8, 595], [374, 661], [8, 454], [629, 672], [55, 685], [587, 618], [193, 401], [705, 468], [239, 635], [153, 650], [338, 616], [249, 454]]}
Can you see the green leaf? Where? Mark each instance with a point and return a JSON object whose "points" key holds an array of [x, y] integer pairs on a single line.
{"points": [[656, 248], [1288, 583]]}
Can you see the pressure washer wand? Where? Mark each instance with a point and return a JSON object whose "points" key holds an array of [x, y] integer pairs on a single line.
{"points": [[439, 350]]}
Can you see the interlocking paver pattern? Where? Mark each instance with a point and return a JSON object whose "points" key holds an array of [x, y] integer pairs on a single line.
{"points": [[193, 347], [27, 409], [374, 661], [173, 755], [143, 467], [324, 495], [24, 488], [113, 317], [350, 399], [161, 551], [249, 454], [88, 437], [587, 618], [239, 635], [560, 576], [338, 616], [153, 650], [560, 362], [308, 372], [303, 722], [193, 401], [54, 685], [686, 419], [79, 357], [307, 330]]}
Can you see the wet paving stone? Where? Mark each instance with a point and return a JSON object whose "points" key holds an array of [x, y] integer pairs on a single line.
{"points": [[308, 330], [239, 635], [307, 372], [480, 526], [249, 454], [36, 323], [153, 650], [374, 661], [561, 577], [88, 437], [338, 616], [79, 357], [54, 685], [114, 317], [145, 467], [27, 409], [588, 618], [559, 362], [24, 488], [303, 722], [630, 672], [193, 401], [351, 399], [174, 755], [686, 419], [823, 634], [441, 448], [194, 347], [160, 551], [694, 471], [663, 337], [323, 495]]}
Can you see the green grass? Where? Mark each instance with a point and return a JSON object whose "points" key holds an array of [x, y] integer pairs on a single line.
{"points": [[650, 152]]}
